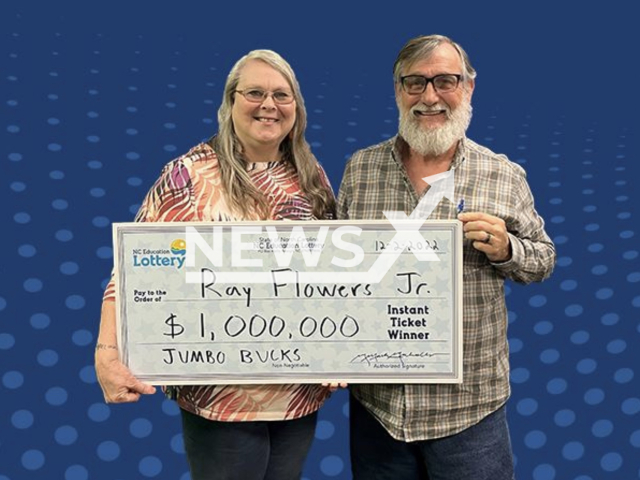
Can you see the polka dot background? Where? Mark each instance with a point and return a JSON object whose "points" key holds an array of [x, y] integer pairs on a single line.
{"points": [[94, 102]]}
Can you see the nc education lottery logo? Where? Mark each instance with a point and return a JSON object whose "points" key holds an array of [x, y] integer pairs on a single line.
{"points": [[310, 242], [174, 256]]}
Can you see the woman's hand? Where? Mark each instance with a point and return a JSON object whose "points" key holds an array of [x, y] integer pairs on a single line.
{"points": [[116, 380], [333, 386]]}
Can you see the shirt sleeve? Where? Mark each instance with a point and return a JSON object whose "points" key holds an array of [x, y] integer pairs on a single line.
{"points": [[169, 199], [533, 253]]}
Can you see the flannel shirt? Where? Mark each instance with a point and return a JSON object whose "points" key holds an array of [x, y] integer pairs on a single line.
{"points": [[375, 181]]}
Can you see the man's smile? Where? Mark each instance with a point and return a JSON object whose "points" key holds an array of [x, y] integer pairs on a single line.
{"points": [[429, 113]]}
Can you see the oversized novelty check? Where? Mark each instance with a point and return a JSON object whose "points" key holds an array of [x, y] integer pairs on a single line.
{"points": [[290, 302]]}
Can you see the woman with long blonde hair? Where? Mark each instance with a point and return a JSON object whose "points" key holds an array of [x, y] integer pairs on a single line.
{"points": [[258, 167]]}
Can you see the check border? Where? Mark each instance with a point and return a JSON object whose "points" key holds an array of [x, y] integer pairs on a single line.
{"points": [[452, 227]]}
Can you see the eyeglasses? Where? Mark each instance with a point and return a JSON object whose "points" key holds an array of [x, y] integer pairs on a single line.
{"points": [[417, 84], [255, 95]]}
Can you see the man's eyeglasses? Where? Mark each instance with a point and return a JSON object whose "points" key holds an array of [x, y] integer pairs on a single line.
{"points": [[417, 84], [255, 95]]}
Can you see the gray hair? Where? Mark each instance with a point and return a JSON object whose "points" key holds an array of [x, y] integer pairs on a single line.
{"points": [[422, 47]]}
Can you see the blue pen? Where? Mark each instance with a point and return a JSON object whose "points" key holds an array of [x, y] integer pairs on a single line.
{"points": [[460, 206]]}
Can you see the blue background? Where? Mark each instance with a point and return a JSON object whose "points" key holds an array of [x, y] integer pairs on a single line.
{"points": [[96, 98]]}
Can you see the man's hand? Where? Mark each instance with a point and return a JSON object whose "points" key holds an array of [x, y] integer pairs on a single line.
{"points": [[489, 235], [116, 380]]}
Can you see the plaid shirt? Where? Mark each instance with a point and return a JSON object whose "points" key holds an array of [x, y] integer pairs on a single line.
{"points": [[374, 181]]}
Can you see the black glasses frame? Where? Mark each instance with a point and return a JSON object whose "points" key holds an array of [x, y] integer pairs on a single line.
{"points": [[432, 80]]}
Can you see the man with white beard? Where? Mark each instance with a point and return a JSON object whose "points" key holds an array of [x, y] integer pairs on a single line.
{"points": [[446, 431]]}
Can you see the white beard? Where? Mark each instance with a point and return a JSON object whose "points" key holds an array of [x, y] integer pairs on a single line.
{"points": [[435, 141]]}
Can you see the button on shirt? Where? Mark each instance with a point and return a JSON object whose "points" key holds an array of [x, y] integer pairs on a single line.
{"points": [[375, 181]]}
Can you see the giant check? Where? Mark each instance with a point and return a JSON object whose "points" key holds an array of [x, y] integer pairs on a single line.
{"points": [[290, 302]]}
